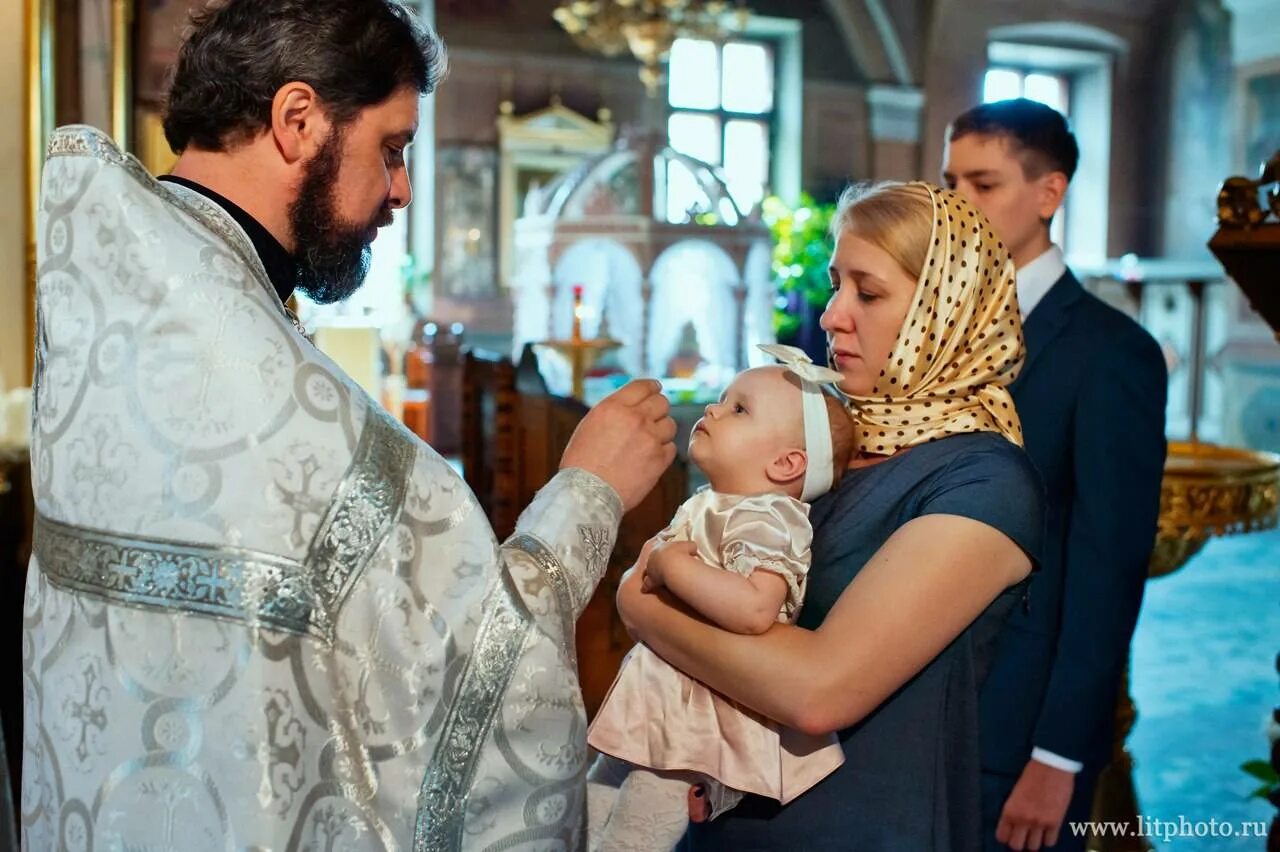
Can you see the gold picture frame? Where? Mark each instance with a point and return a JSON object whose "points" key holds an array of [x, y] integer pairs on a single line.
{"points": [[538, 147]]}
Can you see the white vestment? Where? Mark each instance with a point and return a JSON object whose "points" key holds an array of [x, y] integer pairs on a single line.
{"points": [[260, 614]]}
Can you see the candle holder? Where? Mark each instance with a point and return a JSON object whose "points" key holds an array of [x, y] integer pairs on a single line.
{"points": [[581, 353]]}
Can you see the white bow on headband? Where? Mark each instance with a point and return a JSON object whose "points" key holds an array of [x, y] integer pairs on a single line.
{"points": [[817, 426]]}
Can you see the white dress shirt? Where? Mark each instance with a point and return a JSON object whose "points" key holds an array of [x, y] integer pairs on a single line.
{"points": [[1034, 281], [1038, 277]]}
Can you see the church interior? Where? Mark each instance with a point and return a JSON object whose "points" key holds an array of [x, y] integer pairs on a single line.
{"points": [[597, 200]]}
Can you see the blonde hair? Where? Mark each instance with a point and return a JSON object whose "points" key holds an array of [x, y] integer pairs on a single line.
{"points": [[895, 217]]}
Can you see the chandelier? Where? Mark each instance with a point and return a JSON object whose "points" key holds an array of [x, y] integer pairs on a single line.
{"points": [[648, 28]]}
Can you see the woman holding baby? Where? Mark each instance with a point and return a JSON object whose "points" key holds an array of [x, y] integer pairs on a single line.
{"points": [[918, 552]]}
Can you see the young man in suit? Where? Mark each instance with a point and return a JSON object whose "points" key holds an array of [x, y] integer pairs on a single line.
{"points": [[1091, 396]]}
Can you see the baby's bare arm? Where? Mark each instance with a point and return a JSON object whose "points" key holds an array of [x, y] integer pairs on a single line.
{"points": [[741, 604]]}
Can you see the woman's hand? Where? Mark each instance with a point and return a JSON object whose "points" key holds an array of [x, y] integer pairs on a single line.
{"points": [[662, 555], [637, 607]]}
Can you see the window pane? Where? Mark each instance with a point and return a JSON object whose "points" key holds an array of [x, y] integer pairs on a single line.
{"points": [[1001, 84], [1047, 89], [748, 77], [746, 161], [695, 134], [694, 74], [683, 193]]}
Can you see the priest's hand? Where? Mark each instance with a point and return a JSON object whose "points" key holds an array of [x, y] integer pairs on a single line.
{"points": [[627, 439], [1033, 814]]}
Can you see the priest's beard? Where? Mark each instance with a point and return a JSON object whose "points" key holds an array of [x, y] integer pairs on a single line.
{"points": [[332, 255]]}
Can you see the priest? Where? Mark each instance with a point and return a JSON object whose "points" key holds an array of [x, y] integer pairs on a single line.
{"points": [[260, 614]]}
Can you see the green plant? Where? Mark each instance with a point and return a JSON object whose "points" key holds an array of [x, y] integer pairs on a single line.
{"points": [[802, 247], [1266, 773]]}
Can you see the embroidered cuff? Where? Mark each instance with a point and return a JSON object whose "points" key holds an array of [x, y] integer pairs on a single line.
{"points": [[576, 517]]}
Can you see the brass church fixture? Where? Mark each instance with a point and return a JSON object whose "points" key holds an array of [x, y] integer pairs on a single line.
{"points": [[1212, 491], [122, 72], [648, 28], [1209, 490], [38, 114], [1249, 250]]}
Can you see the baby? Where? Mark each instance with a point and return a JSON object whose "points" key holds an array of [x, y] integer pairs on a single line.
{"points": [[738, 553]]}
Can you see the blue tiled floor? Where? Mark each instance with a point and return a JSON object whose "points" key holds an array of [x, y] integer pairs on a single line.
{"points": [[1204, 681]]}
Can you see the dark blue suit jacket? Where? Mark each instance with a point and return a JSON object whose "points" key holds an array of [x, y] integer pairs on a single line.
{"points": [[1091, 396]]}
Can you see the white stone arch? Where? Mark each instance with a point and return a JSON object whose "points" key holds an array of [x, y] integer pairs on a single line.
{"points": [[611, 280], [694, 281], [757, 277], [530, 282]]}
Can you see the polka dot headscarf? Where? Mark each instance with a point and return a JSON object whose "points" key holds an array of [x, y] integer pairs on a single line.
{"points": [[960, 345]]}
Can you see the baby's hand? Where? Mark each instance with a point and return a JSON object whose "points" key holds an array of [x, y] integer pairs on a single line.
{"points": [[642, 566], [661, 558]]}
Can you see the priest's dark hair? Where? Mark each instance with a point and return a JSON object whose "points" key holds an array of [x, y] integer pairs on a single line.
{"points": [[1039, 134], [239, 53]]}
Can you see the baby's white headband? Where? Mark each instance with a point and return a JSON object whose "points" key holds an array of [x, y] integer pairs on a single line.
{"points": [[817, 425]]}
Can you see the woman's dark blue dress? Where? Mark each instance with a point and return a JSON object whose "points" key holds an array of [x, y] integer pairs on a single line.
{"points": [[910, 780]]}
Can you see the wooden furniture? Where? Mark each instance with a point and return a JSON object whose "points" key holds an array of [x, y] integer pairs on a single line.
{"points": [[490, 429], [513, 435], [434, 363], [16, 514]]}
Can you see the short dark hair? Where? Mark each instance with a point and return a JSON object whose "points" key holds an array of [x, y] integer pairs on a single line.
{"points": [[1040, 134], [239, 53]]}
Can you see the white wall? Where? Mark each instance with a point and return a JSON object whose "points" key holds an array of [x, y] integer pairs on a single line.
{"points": [[13, 341]]}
